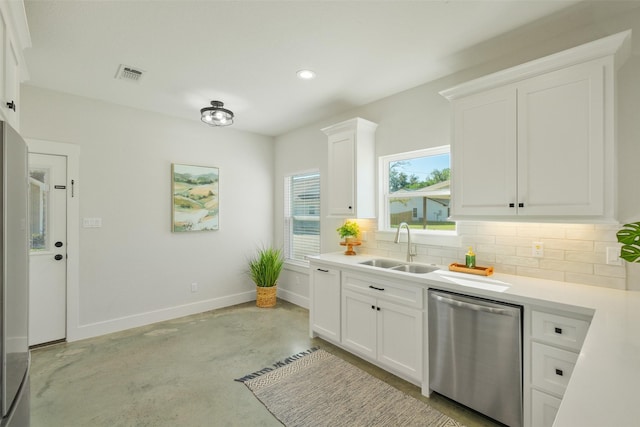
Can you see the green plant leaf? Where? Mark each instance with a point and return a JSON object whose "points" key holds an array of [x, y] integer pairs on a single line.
{"points": [[265, 267], [630, 253], [349, 228], [629, 234]]}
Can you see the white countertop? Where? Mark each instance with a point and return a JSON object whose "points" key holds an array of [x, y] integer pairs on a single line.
{"points": [[603, 389]]}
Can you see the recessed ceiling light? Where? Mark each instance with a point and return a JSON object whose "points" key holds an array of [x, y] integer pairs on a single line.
{"points": [[306, 74]]}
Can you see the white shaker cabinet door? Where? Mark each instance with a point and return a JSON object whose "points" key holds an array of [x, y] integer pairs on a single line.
{"points": [[359, 323], [561, 145], [484, 154], [342, 201], [325, 303], [400, 338]]}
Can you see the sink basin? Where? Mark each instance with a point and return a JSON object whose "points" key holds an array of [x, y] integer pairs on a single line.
{"points": [[400, 266], [415, 268], [382, 263]]}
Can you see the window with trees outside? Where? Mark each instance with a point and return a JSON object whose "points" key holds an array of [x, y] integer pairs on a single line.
{"points": [[416, 190], [301, 216]]}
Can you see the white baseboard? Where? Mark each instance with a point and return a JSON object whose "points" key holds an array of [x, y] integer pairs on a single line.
{"points": [[293, 298], [120, 324]]}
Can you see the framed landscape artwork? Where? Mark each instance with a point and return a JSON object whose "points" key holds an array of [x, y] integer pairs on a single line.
{"points": [[195, 198]]}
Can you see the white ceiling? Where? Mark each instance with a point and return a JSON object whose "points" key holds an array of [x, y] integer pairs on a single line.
{"points": [[246, 53]]}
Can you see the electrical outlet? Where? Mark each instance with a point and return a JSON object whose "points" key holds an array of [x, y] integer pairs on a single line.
{"points": [[537, 249], [194, 287], [613, 256]]}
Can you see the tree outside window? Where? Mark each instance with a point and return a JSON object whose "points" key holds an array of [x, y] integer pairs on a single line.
{"points": [[417, 189]]}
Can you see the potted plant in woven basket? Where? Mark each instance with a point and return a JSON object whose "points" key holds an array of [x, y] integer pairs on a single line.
{"points": [[629, 236], [264, 269]]}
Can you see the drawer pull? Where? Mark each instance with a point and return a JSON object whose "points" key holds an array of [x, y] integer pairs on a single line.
{"points": [[559, 372], [558, 330], [323, 270], [377, 289]]}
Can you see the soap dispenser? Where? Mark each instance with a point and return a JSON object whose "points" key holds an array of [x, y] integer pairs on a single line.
{"points": [[470, 258]]}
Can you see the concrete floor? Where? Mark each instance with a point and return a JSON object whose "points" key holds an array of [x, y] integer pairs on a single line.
{"points": [[181, 372]]}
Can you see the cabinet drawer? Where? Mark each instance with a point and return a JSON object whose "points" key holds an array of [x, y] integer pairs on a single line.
{"points": [[558, 330], [544, 408], [385, 290], [551, 367]]}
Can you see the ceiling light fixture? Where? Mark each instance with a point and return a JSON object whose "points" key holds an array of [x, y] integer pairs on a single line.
{"points": [[216, 115], [306, 75]]}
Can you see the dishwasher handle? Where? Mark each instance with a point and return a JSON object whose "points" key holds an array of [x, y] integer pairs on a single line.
{"points": [[474, 307]]}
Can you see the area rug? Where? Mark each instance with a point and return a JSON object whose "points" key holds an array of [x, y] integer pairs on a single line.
{"points": [[315, 388]]}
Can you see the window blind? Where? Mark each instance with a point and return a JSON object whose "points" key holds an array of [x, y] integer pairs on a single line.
{"points": [[301, 216]]}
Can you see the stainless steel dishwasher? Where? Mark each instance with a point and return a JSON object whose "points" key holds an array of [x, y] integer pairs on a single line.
{"points": [[475, 354]]}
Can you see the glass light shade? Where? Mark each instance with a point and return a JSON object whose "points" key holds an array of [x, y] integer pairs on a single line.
{"points": [[216, 115]]}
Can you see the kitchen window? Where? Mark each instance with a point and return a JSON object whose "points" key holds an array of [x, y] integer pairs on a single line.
{"points": [[301, 216], [416, 190]]}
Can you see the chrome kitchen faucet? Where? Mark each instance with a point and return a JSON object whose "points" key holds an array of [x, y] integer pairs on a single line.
{"points": [[410, 254]]}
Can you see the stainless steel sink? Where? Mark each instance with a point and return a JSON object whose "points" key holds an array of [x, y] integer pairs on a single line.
{"points": [[400, 266], [415, 268], [382, 263]]}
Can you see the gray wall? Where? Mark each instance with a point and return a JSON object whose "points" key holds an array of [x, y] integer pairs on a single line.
{"points": [[134, 270]]}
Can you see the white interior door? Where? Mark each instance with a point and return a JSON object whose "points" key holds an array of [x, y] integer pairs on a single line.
{"points": [[48, 267]]}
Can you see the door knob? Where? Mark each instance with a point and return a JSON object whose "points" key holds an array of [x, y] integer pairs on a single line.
{"points": [[58, 257]]}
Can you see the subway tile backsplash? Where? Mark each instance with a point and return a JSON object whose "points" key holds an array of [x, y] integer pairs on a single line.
{"points": [[572, 252]]}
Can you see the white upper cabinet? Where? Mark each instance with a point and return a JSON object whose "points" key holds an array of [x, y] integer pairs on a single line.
{"points": [[537, 141], [351, 169], [14, 35], [484, 154]]}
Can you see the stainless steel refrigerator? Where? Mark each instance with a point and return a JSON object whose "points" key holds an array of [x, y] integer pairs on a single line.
{"points": [[14, 273]]}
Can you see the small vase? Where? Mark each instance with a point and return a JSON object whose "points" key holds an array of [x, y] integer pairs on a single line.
{"points": [[633, 276]]}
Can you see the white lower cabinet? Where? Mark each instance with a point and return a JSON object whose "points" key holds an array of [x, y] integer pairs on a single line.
{"points": [[359, 323], [383, 320], [324, 307], [555, 342], [551, 367], [380, 330], [544, 409]]}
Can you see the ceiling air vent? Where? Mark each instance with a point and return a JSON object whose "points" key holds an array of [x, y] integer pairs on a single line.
{"points": [[126, 72]]}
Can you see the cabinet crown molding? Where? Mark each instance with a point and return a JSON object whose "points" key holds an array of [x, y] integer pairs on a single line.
{"points": [[356, 123], [618, 45]]}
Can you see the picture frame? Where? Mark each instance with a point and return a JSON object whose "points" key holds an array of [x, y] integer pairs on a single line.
{"points": [[195, 198]]}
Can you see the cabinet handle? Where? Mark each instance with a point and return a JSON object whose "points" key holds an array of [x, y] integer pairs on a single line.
{"points": [[373, 307], [378, 308], [323, 270], [521, 205], [559, 372], [377, 289], [11, 105], [512, 205], [350, 207], [558, 330]]}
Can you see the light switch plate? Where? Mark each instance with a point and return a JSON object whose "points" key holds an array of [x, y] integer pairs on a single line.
{"points": [[92, 222]]}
